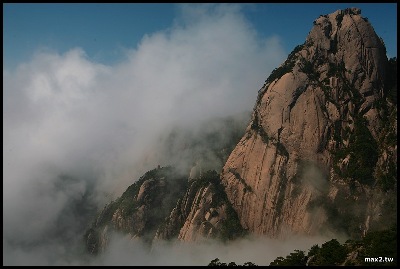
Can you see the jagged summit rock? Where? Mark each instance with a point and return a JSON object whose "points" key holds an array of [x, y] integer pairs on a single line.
{"points": [[163, 205], [311, 156], [318, 156]]}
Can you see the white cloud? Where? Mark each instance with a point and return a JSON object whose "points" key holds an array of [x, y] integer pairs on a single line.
{"points": [[65, 114], [124, 251]]}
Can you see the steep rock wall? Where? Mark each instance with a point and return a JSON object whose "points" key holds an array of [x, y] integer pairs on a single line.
{"points": [[314, 128]]}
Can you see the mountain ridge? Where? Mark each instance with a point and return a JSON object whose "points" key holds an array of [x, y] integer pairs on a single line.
{"points": [[317, 113], [318, 156]]}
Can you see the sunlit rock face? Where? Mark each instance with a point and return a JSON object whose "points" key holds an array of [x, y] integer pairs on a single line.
{"points": [[202, 213], [164, 205], [318, 156], [140, 210], [315, 156]]}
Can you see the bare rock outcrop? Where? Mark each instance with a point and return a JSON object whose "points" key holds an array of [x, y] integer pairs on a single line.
{"points": [[309, 157], [163, 205], [140, 210], [318, 156], [203, 212]]}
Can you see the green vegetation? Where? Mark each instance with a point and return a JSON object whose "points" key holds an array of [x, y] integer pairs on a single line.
{"points": [[386, 173], [390, 88], [374, 244], [210, 178], [330, 253], [380, 244], [341, 213], [286, 67], [281, 196], [230, 227], [216, 262], [280, 71], [387, 179], [264, 136], [339, 19], [164, 188], [363, 151], [281, 150], [306, 67], [295, 258], [338, 70], [333, 45], [333, 70], [337, 131], [260, 130], [241, 180], [127, 202], [107, 213], [296, 95]]}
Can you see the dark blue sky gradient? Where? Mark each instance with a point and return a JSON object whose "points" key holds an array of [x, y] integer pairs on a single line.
{"points": [[104, 30], [294, 21]]}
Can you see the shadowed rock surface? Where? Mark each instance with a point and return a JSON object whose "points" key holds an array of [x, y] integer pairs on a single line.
{"points": [[318, 156], [316, 153]]}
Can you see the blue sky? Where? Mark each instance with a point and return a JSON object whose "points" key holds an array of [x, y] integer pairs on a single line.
{"points": [[104, 31]]}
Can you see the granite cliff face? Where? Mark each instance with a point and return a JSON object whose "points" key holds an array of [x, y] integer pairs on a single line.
{"points": [[164, 205], [140, 209], [203, 212], [317, 152], [184, 201]]}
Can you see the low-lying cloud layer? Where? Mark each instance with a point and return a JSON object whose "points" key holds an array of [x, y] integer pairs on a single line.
{"points": [[124, 251], [75, 131], [260, 251]]}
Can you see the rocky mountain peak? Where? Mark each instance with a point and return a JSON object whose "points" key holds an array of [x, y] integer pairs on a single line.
{"points": [[314, 145], [318, 156], [346, 37]]}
